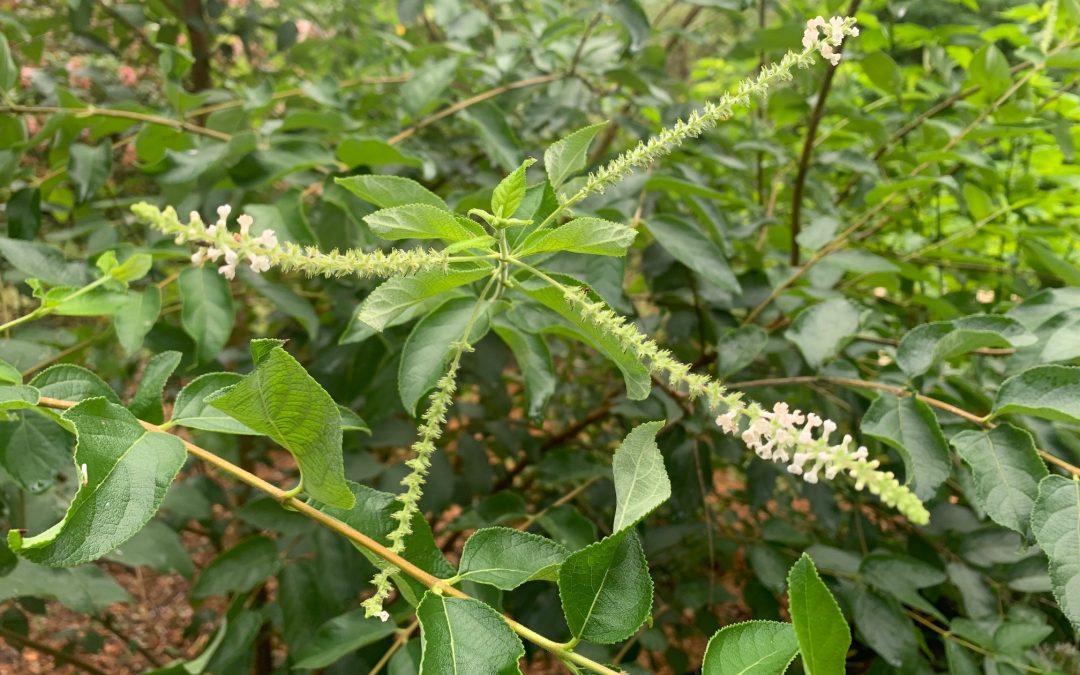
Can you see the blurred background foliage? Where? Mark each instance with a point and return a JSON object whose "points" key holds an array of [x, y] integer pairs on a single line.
{"points": [[929, 177]]}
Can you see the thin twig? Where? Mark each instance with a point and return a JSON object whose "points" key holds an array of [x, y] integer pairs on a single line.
{"points": [[58, 655], [93, 111]]}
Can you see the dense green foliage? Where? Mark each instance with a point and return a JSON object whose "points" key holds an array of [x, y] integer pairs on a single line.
{"points": [[510, 336]]}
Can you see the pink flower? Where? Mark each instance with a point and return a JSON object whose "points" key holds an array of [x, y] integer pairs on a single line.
{"points": [[26, 76], [128, 76]]}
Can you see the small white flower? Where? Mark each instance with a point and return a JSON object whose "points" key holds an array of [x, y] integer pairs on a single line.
{"points": [[198, 256], [212, 253], [223, 212], [211, 231], [383, 616], [231, 257], [830, 55], [268, 239], [259, 263], [727, 423], [245, 222], [84, 476], [228, 271]]}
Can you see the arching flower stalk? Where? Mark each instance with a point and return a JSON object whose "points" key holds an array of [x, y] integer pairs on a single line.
{"points": [[780, 435], [264, 251]]}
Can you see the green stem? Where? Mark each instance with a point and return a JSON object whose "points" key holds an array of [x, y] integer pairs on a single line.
{"points": [[45, 311]]}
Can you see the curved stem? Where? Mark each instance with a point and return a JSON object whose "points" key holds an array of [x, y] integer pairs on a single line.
{"points": [[355, 536], [93, 111]]}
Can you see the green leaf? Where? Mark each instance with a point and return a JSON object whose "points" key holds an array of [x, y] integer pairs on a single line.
{"points": [[426, 354], [389, 191], [909, 425], [507, 196], [24, 212], [134, 319], [18, 397], [133, 268], [751, 648], [192, 410], [641, 481], [822, 632], [1050, 392], [883, 72], [688, 245], [630, 15], [69, 382], [821, 330], [373, 515], [635, 374], [280, 400], [33, 449], [606, 590], [372, 152], [341, 636], [87, 589], [207, 313], [89, 167], [568, 156], [350, 421], [989, 69], [933, 343], [429, 82], [398, 295], [421, 221], [593, 236], [9, 70], [156, 546], [465, 636], [534, 359], [146, 405], [738, 347], [239, 569], [1007, 470], [497, 137], [43, 262], [9, 374], [285, 300], [125, 472], [884, 627], [506, 558], [1055, 522]]}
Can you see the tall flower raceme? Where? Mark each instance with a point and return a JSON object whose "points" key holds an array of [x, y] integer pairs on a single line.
{"points": [[217, 243]]}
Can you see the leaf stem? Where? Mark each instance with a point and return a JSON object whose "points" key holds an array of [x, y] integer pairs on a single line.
{"points": [[45, 310], [355, 536]]}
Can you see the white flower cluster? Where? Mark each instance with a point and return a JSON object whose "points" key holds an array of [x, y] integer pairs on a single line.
{"points": [[835, 30], [787, 437], [233, 246]]}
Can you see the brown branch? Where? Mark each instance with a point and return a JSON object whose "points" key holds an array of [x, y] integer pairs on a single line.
{"points": [[808, 147], [471, 101], [63, 657], [93, 111], [195, 20]]}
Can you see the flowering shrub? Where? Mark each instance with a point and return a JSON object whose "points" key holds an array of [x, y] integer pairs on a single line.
{"points": [[387, 475]]}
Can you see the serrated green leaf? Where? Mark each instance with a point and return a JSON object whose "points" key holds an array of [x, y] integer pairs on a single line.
{"points": [[280, 400], [593, 236], [373, 515], [822, 632], [933, 343], [125, 471], [751, 648], [207, 312], [422, 221], [687, 244], [238, 569], [43, 262], [426, 354], [387, 192], [134, 319], [18, 396], [641, 481], [506, 558], [821, 330], [9, 374], [89, 167], [1050, 392], [341, 636], [567, 156], [737, 348], [69, 382], [1055, 522], [1006, 467], [606, 590], [534, 359], [909, 425], [462, 637], [33, 449], [192, 410], [146, 405], [401, 294], [507, 196]]}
